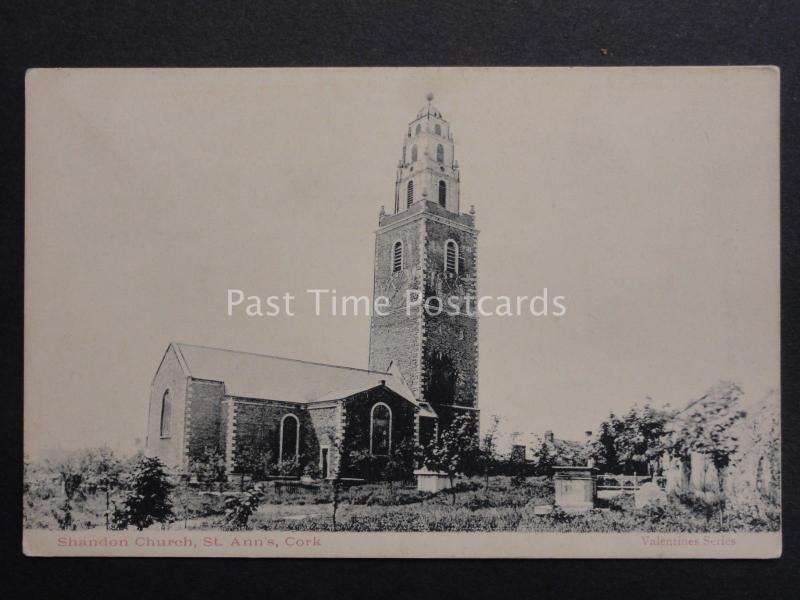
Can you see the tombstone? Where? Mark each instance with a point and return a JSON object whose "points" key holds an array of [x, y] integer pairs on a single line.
{"points": [[431, 481], [576, 487], [647, 493]]}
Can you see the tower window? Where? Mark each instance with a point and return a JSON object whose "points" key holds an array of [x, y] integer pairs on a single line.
{"points": [[438, 129], [410, 194], [289, 446], [451, 257], [418, 128], [439, 153], [442, 193], [380, 430], [397, 257], [414, 153], [166, 414]]}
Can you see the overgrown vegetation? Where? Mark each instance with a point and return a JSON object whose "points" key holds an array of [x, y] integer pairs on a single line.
{"points": [[95, 489]]}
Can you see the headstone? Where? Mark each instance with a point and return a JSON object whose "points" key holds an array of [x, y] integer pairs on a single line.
{"points": [[576, 487], [647, 493], [431, 481]]}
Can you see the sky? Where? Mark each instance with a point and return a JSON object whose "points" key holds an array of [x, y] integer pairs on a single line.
{"points": [[647, 197]]}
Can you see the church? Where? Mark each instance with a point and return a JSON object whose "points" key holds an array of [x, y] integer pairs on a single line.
{"points": [[423, 367]]}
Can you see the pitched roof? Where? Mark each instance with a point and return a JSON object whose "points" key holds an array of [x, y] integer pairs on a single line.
{"points": [[266, 377]]}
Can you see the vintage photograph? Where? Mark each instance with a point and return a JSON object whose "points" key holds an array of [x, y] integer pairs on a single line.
{"points": [[418, 312]]}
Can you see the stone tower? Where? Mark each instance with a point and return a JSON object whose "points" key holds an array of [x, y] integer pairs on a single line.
{"points": [[426, 249]]}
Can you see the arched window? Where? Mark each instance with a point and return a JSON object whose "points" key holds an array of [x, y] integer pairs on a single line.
{"points": [[414, 153], [418, 128], [166, 414], [451, 257], [439, 153], [289, 447], [410, 194], [380, 430], [438, 129], [397, 256], [442, 193]]}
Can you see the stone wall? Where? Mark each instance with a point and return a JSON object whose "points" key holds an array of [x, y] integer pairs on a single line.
{"points": [[396, 336], [427, 347], [324, 421], [256, 428], [448, 339], [169, 376], [357, 422], [203, 402]]}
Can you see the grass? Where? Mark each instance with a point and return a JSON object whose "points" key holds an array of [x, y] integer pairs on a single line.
{"points": [[376, 507]]}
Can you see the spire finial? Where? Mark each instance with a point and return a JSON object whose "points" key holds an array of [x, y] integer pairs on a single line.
{"points": [[429, 96]]}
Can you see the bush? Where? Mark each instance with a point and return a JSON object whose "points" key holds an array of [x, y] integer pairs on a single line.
{"points": [[622, 502], [147, 499], [239, 508]]}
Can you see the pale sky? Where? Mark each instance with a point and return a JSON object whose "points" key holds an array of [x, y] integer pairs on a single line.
{"points": [[647, 197]]}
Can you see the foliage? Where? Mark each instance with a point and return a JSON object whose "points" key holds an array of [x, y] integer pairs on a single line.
{"points": [[544, 460], [706, 425], [257, 462], [86, 471], [604, 448], [289, 468], [239, 508], [147, 499], [456, 450], [64, 515], [487, 453], [207, 464], [633, 444]]}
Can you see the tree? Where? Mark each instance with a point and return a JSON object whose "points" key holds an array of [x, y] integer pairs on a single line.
{"points": [[488, 450], [147, 500], [456, 449], [399, 465], [632, 444], [103, 472], [604, 448], [342, 451], [706, 426], [641, 440], [544, 460]]}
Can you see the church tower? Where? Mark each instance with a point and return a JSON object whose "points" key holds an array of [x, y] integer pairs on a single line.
{"points": [[426, 252]]}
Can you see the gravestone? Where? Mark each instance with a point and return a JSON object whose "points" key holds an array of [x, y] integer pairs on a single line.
{"points": [[576, 487], [647, 493], [431, 481]]}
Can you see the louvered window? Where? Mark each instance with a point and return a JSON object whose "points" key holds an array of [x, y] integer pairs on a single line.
{"points": [[451, 257], [397, 257]]}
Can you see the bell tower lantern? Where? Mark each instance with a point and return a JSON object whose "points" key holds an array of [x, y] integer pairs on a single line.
{"points": [[427, 169]]}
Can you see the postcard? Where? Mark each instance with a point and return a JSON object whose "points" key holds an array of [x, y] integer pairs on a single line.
{"points": [[403, 312]]}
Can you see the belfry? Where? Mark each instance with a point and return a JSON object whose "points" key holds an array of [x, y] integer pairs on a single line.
{"points": [[426, 243]]}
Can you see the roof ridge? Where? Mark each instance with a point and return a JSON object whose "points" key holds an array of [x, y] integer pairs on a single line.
{"points": [[299, 360]]}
